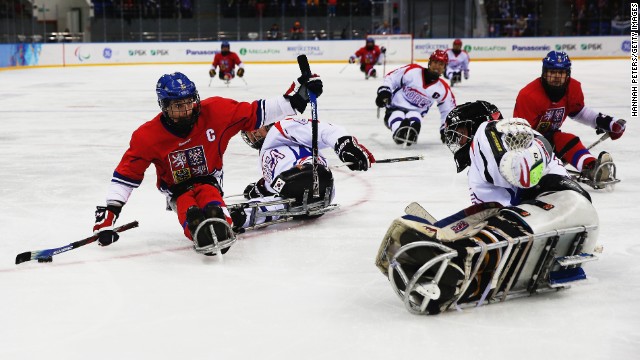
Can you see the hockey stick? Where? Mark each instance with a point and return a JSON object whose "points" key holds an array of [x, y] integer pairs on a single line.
{"points": [[385, 161], [604, 137], [210, 79], [344, 68], [47, 254], [303, 63]]}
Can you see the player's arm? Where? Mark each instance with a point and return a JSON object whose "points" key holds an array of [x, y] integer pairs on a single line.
{"points": [[127, 176], [601, 122], [446, 104], [391, 82]]}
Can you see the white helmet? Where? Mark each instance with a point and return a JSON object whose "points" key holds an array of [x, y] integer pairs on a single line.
{"points": [[523, 168]]}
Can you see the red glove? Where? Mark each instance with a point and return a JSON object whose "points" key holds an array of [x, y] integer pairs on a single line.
{"points": [[105, 220], [617, 129]]}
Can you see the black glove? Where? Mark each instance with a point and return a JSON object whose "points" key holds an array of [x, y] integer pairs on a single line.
{"points": [[240, 72], [605, 123], [212, 72], [350, 151], [384, 96], [105, 220], [256, 190], [297, 92], [443, 137], [238, 216], [383, 50]]}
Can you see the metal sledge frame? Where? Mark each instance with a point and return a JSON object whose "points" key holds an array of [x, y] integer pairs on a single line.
{"points": [[218, 245], [512, 248], [289, 211]]}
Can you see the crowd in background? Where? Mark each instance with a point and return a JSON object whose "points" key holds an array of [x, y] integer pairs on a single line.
{"points": [[587, 17]]}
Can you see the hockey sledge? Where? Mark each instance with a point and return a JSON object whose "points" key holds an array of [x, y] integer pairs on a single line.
{"points": [[285, 210], [608, 166], [492, 256]]}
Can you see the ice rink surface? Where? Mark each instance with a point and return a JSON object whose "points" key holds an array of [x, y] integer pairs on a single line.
{"points": [[299, 290]]}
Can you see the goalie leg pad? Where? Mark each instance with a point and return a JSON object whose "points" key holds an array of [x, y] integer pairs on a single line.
{"points": [[293, 183]]}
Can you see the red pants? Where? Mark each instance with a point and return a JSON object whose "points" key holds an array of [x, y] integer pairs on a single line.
{"points": [[570, 149], [200, 195]]}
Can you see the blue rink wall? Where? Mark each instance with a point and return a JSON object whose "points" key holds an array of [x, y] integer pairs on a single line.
{"points": [[401, 49]]}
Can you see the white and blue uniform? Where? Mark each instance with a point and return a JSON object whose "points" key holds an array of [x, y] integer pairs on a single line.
{"points": [[287, 145], [457, 63], [486, 183], [412, 98]]}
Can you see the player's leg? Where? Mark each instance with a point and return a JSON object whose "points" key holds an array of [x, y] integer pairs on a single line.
{"points": [[407, 131], [571, 150]]}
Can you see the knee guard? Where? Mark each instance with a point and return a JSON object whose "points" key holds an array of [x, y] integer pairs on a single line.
{"points": [[294, 182]]}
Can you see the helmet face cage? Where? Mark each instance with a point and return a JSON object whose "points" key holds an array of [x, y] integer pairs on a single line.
{"points": [[253, 138], [177, 86], [556, 60], [467, 116]]}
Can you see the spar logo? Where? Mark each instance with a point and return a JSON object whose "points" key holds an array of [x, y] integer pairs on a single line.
{"points": [[82, 53]]}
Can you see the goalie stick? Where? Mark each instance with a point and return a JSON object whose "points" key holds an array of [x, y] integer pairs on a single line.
{"points": [[47, 254]]}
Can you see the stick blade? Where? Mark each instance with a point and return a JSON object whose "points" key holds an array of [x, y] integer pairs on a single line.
{"points": [[22, 257]]}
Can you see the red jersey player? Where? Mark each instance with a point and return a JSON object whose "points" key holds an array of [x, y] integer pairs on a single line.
{"points": [[547, 101], [226, 60], [185, 143], [369, 56]]}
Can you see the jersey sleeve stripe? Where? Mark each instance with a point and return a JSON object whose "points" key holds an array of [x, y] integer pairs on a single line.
{"points": [[120, 179]]}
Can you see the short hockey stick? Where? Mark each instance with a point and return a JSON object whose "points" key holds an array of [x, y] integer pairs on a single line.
{"points": [[47, 254], [604, 137], [303, 63], [386, 161], [210, 79], [344, 68]]}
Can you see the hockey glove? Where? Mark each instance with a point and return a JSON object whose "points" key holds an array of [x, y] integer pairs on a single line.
{"points": [[352, 59], [443, 137], [615, 128], [240, 72], [350, 151], [384, 96], [256, 190], [297, 92], [383, 50], [212, 73], [105, 220]]}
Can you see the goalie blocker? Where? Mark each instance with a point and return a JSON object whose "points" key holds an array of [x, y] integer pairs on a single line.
{"points": [[491, 254]]}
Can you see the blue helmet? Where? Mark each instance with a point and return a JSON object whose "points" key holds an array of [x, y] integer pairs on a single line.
{"points": [[556, 60], [177, 86], [225, 44]]}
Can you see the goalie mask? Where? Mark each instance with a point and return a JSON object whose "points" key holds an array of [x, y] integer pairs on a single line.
{"points": [[461, 125], [179, 101]]}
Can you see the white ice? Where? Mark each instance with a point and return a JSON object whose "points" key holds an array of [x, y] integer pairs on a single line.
{"points": [[300, 290]]}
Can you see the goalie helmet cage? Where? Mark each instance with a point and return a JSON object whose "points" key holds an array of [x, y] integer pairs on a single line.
{"points": [[399, 47]]}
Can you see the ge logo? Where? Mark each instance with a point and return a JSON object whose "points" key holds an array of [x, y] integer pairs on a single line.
{"points": [[211, 135]]}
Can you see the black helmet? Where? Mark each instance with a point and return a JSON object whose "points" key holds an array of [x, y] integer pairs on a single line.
{"points": [[463, 122]]}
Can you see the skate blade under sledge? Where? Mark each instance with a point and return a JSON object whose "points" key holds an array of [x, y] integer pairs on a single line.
{"points": [[218, 245], [608, 183], [288, 212]]}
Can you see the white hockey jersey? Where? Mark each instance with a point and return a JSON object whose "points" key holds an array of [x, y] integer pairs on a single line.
{"points": [[288, 143], [410, 92], [458, 62], [485, 181]]}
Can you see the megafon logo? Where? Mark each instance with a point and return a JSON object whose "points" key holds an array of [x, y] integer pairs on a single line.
{"points": [[243, 51], [82, 54], [467, 48]]}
